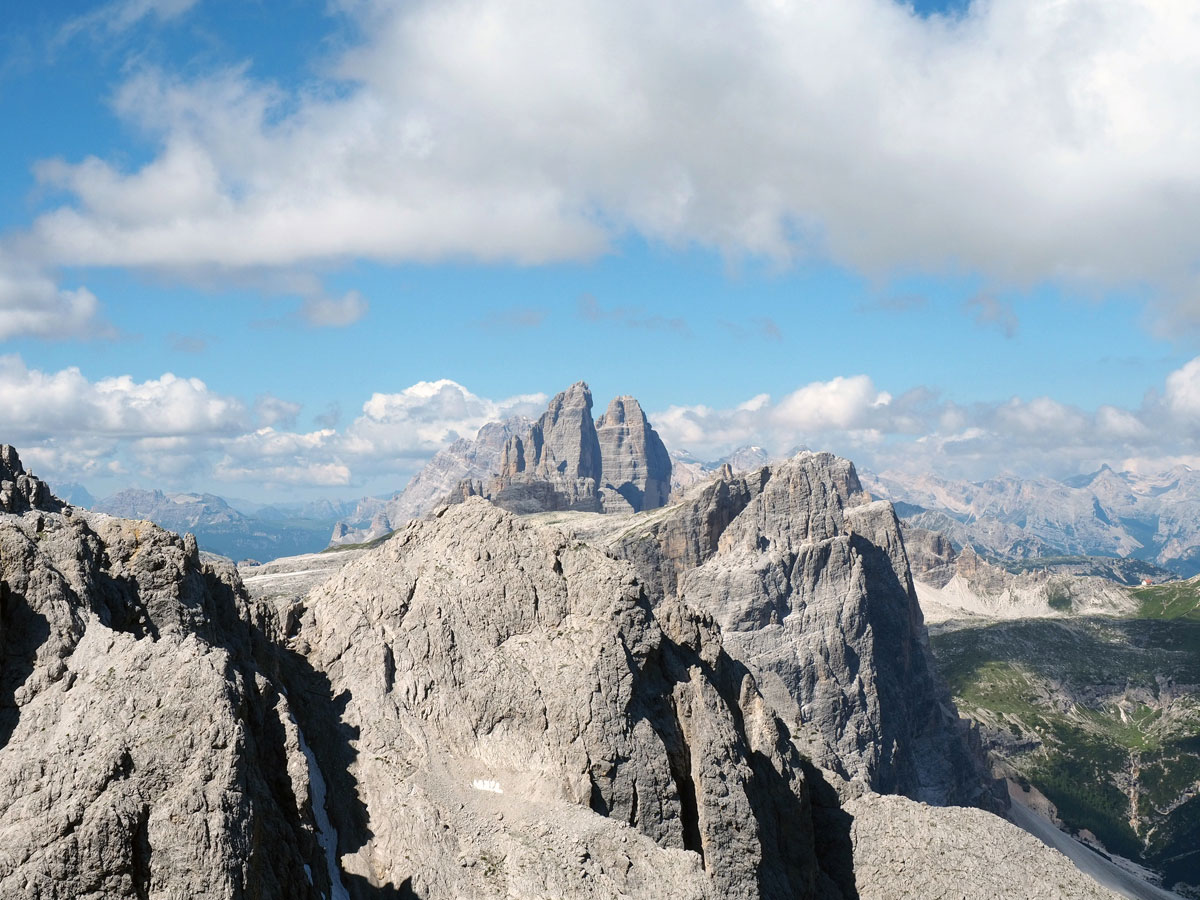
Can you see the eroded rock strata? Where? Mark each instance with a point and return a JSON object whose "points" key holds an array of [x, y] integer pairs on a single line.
{"points": [[809, 581], [482, 706]]}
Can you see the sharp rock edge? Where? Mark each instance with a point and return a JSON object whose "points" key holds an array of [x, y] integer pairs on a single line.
{"points": [[151, 712]]}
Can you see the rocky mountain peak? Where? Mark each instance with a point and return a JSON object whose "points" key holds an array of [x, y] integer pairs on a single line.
{"points": [[486, 706], [561, 443], [566, 461], [635, 464], [21, 491]]}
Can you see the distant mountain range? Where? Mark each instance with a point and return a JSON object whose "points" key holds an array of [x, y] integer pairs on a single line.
{"points": [[266, 533], [1155, 518]]}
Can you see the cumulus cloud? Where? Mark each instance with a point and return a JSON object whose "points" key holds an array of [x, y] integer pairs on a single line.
{"points": [[36, 404], [920, 431], [1019, 140], [1183, 391], [423, 418], [177, 432], [31, 305]]}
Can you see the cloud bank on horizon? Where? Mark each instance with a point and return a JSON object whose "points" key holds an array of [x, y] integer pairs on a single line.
{"points": [[176, 432]]}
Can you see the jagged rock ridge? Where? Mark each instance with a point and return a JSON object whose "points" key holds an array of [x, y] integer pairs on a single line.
{"points": [[479, 707], [810, 583], [21, 491], [1155, 518], [142, 752]]}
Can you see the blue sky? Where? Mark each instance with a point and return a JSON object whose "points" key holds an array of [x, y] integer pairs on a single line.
{"points": [[291, 249]]}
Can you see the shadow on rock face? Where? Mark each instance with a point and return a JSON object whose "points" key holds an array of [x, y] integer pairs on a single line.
{"points": [[23, 630], [360, 889], [831, 832], [321, 717]]}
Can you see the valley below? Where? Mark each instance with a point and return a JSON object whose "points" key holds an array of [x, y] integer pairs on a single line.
{"points": [[1098, 715]]}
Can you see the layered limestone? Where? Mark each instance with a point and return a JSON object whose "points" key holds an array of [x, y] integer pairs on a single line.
{"points": [[566, 461], [635, 465], [525, 725], [557, 465], [142, 752], [809, 581], [959, 585], [482, 706]]}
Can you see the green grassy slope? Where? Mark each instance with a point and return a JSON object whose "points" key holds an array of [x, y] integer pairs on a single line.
{"points": [[1102, 716]]}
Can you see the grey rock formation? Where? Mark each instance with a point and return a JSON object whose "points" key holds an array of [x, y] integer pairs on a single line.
{"points": [[21, 491], [1155, 518], [635, 465], [810, 584], [687, 470], [955, 585], [568, 462], [979, 856], [557, 465], [481, 706], [142, 753], [485, 731]]}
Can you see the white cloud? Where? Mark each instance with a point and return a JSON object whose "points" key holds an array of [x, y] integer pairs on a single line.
{"points": [[1183, 391], [271, 410], [31, 305], [1023, 140], [37, 404], [920, 431], [176, 432], [121, 15], [421, 419]]}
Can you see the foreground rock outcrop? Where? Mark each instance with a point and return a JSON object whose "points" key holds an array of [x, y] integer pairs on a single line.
{"points": [[493, 726], [142, 753], [482, 706], [810, 584]]}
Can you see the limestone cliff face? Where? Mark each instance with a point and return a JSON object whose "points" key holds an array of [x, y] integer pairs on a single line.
{"points": [[810, 583], [635, 465], [482, 706], [557, 464], [523, 718], [142, 753]]}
